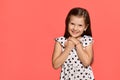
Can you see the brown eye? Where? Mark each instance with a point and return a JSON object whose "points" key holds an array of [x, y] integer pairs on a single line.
{"points": [[80, 25], [72, 23]]}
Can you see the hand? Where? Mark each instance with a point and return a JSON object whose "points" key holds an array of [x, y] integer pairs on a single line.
{"points": [[74, 40], [69, 45]]}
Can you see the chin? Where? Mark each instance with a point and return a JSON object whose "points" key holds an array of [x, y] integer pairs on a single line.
{"points": [[75, 36]]}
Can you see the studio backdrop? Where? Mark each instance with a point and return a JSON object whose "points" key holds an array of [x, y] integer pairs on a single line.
{"points": [[28, 29]]}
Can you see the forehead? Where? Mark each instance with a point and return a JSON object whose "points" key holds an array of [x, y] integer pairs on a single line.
{"points": [[77, 19]]}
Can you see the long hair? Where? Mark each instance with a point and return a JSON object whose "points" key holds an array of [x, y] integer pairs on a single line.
{"points": [[80, 12]]}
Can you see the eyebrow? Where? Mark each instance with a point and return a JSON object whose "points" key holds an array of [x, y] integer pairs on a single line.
{"points": [[74, 23]]}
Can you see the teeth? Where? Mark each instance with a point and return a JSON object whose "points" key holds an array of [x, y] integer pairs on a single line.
{"points": [[74, 32]]}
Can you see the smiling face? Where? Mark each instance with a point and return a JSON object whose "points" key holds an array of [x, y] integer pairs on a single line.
{"points": [[76, 26]]}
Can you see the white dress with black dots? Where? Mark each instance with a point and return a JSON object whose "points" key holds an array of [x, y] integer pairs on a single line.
{"points": [[72, 68]]}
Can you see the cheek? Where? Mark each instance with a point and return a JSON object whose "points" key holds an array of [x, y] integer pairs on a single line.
{"points": [[80, 29], [70, 27]]}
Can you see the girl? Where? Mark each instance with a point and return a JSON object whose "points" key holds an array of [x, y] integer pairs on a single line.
{"points": [[73, 51]]}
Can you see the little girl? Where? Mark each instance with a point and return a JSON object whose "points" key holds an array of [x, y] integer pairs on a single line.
{"points": [[73, 51]]}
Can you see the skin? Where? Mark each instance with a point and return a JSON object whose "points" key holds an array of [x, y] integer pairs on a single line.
{"points": [[76, 27]]}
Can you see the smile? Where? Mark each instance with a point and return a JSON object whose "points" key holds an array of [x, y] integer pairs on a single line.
{"points": [[74, 32]]}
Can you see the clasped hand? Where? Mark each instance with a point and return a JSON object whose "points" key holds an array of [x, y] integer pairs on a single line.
{"points": [[72, 42]]}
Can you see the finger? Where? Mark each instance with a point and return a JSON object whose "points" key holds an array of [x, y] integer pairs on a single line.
{"points": [[69, 38], [74, 40]]}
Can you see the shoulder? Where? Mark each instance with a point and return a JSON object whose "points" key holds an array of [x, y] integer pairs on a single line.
{"points": [[86, 40], [61, 40]]}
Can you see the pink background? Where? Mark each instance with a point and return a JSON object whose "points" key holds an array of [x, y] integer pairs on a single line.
{"points": [[28, 29]]}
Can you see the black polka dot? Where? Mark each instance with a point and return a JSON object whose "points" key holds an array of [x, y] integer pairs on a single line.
{"points": [[81, 66], [69, 61], [75, 55], [78, 69], [90, 78], [86, 67], [89, 39], [61, 42], [74, 70], [65, 74], [71, 74], [90, 68], [64, 68], [78, 76], [80, 62], [83, 76], [67, 69], [86, 73], [71, 50], [75, 61], [85, 43], [61, 38]]}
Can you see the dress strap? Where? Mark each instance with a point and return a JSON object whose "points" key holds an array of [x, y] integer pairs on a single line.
{"points": [[61, 40], [86, 40]]}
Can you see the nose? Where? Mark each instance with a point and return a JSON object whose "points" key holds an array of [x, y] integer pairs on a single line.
{"points": [[75, 27]]}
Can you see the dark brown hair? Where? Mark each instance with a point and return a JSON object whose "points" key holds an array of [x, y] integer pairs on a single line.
{"points": [[80, 12]]}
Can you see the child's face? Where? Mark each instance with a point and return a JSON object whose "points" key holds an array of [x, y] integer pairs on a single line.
{"points": [[76, 26]]}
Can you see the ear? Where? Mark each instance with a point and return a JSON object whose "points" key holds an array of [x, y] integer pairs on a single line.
{"points": [[86, 27]]}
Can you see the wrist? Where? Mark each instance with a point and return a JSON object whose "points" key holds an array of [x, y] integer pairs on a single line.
{"points": [[68, 48], [77, 44]]}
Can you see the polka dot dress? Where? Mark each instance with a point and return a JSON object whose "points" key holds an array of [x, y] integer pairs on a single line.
{"points": [[72, 68]]}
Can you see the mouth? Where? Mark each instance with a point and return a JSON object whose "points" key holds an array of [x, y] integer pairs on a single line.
{"points": [[74, 32]]}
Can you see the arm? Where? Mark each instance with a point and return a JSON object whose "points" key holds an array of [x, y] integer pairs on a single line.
{"points": [[58, 56], [85, 55]]}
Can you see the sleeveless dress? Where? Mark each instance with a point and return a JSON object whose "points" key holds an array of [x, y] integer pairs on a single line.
{"points": [[72, 68]]}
